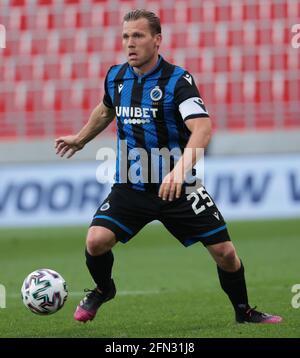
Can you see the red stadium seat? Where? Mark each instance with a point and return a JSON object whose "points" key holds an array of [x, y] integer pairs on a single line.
{"points": [[18, 2], [58, 53], [95, 43], [79, 70], [45, 2], [251, 11], [71, 2], [51, 71], [8, 102]]}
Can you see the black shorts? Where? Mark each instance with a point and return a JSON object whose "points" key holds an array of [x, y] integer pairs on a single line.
{"points": [[190, 218]]}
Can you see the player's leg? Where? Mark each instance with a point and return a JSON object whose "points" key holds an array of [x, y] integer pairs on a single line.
{"points": [[99, 260], [100, 240], [99, 256], [231, 274], [232, 279], [193, 219], [225, 255], [119, 218]]}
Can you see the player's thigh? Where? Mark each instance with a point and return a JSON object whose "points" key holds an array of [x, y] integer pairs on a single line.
{"points": [[193, 218], [124, 212]]}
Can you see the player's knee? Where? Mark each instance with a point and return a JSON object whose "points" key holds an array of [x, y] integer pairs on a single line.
{"points": [[99, 240], [225, 253], [229, 255], [228, 260]]}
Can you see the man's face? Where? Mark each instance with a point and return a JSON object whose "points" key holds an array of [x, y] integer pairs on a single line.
{"points": [[139, 44]]}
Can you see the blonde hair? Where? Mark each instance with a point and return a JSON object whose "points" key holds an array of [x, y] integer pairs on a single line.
{"points": [[153, 20]]}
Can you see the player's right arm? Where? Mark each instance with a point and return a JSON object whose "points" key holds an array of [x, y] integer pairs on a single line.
{"points": [[99, 119]]}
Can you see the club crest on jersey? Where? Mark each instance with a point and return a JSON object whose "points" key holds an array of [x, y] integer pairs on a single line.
{"points": [[156, 94]]}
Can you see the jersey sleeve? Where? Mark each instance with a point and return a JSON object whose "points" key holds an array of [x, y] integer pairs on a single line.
{"points": [[188, 99], [106, 98]]}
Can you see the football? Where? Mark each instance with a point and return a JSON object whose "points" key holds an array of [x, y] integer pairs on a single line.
{"points": [[44, 291]]}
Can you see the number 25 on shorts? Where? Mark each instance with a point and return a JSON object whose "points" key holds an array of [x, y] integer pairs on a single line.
{"points": [[202, 192]]}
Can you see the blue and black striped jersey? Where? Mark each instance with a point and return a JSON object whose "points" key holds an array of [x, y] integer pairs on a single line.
{"points": [[151, 112]]}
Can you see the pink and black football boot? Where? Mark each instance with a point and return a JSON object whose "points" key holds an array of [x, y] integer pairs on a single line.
{"points": [[89, 305]]}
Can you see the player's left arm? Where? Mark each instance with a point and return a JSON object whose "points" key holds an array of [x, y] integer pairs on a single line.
{"points": [[197, 120]]}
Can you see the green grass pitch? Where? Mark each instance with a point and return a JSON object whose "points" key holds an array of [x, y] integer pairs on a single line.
{"points": [[164, 289]]}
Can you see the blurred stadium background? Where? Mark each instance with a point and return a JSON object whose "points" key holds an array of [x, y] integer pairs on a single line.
{"points": [[52, 68]]}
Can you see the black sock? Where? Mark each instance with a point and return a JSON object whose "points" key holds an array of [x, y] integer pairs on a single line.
{"points": [[234, 284], [100, 268]]}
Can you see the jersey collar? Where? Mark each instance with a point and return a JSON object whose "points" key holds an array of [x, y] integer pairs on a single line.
{"points": [[153, 70]]}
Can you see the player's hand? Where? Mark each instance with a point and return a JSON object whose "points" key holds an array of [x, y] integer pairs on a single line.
{"points": [[171, 186], [68, 144]]}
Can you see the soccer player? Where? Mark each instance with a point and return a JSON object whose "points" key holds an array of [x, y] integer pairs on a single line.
{"points": [[157, 105]]}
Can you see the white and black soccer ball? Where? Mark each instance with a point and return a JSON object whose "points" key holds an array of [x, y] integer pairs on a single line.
{"points": [[44, 291]]}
